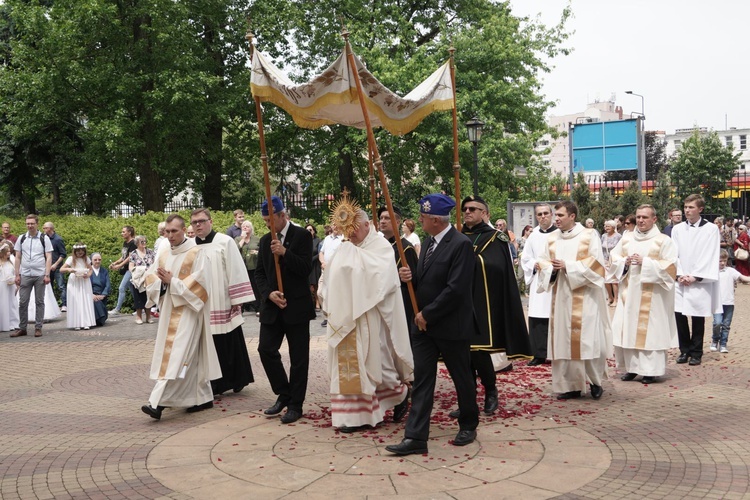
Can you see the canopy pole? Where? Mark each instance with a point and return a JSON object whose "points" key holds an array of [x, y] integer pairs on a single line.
{"points": [[373, 198], [264, 162], [378, 163], [456, 164]]}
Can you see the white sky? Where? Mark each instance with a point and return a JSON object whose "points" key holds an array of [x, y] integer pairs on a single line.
{"points": [[688, 58]]}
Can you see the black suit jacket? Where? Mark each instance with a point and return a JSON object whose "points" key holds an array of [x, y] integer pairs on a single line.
{"points": [[296, 265], [444, 287]]}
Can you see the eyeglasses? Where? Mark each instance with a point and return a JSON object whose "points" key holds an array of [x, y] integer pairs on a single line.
{"points": [[199, 222], [472, 209]]}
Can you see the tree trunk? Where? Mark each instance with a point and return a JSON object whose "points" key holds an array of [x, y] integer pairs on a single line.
{"points": [[214, 159], [346, 173]]}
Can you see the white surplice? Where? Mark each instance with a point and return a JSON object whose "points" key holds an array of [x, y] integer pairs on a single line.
{"points": [[184, 360], [698, 255], [580, 336], [643, 327], [8, 300], [369, 353], [539, 301], [230, 285]]}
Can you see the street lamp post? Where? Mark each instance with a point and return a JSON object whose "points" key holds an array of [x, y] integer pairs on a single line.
{"points": [[474, 129], [642, 139]]}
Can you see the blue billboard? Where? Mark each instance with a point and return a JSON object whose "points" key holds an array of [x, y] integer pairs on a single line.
{"points": [[605, 146]]}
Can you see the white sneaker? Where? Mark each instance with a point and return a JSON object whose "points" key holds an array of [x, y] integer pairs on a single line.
{"points": [[724, 349], [713, 347], [114, 312], [63, 309]]}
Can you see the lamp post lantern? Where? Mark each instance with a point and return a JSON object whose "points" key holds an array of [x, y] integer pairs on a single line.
{"points": [[474, 129], [641, 139]]}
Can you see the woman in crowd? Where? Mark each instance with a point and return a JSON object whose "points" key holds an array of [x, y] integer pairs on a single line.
{"points": [[408, 229], [8, 300], [100, 286], [140, 260], [248, 242], [610, 238], [519, 270], [629, 223], [742, 241], [121, 265], [80, 297], [316, 270]]}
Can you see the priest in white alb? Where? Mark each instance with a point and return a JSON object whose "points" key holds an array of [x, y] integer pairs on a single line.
{"points": [[369, 354], [643, 328], [580, 337], [184, 360]]}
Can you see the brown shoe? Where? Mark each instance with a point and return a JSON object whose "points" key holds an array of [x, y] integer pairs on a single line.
{"points": [[37, 333], [18, 333]]}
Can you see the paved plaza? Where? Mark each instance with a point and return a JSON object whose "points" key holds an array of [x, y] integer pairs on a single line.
{"points": [[71, 427]]}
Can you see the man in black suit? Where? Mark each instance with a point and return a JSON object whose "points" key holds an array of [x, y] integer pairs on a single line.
{"points": [[287, 313], [442, 326]]}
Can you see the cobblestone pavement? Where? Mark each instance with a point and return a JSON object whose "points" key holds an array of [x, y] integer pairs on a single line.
{"points": [[71, 427]]}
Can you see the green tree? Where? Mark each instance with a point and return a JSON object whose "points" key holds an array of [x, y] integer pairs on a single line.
{"points": [[704, 166], [662, 197], [604, 208], [581, 195], [631, 198]]}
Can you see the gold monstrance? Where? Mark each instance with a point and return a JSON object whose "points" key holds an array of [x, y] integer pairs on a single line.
{"points": [[344, 215]]}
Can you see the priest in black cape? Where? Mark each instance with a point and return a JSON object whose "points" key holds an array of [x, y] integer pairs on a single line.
{"points": [[390, 231], [499, 322]]}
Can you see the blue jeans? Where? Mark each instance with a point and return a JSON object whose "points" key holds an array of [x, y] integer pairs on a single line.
{"points": [[722, 322], [57, 278], [122, 290]]}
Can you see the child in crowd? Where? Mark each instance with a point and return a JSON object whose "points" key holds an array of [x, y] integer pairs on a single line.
{"points": [[728, 276], [80, 294]]}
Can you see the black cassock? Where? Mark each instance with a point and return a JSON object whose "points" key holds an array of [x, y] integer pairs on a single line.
{"points": [[499, 322]]}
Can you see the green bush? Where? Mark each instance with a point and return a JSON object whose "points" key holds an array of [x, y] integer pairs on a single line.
{"points": [[102, 234]]}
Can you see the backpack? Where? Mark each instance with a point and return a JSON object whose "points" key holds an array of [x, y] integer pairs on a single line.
{"points": [[23, 238]]}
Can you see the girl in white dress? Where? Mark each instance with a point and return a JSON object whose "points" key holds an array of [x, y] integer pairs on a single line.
{"points": [[8, 299], [80, 295]]}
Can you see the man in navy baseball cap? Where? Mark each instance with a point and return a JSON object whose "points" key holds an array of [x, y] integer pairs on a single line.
{"points": [[278, 205]]}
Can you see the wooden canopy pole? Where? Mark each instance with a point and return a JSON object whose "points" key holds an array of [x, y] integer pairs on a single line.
{"points": [[373, 198], [264, 161], [378, 163], [456, 164]]}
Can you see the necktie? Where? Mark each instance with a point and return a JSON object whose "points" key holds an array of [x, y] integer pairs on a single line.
{"points": [[280, 238], [430, 249]]}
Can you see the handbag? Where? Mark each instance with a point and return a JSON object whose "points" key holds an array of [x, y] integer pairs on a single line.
{"points": [[741, 254], [138, 278]]}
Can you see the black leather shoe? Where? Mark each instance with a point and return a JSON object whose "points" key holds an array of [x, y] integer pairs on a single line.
{"points": [[535, 362], [291, 416], [455, 414], [348, 430], [648, 380], [683, 358], [694, 361], [508, 368], [399, 411], [569, 395], [464, 437], [408, 447], [204, 406], [596, 391], [490, 402], [628, 377], [276, 408], [238, 389], [152, 412]]}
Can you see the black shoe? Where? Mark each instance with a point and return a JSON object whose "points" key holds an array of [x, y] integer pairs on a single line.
{"points": [[152, 412], [348, 430], [464, 437], [508, 368], [535, 362], [324, 322], [399, 411], [490, 401], [291, 416], [204, 406], [569, 395], [238, 389], [596, 391], [455, 414], [276, 408], [683, 358], [648, 380], [408, 447], [628, 377], [694, 361]]}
